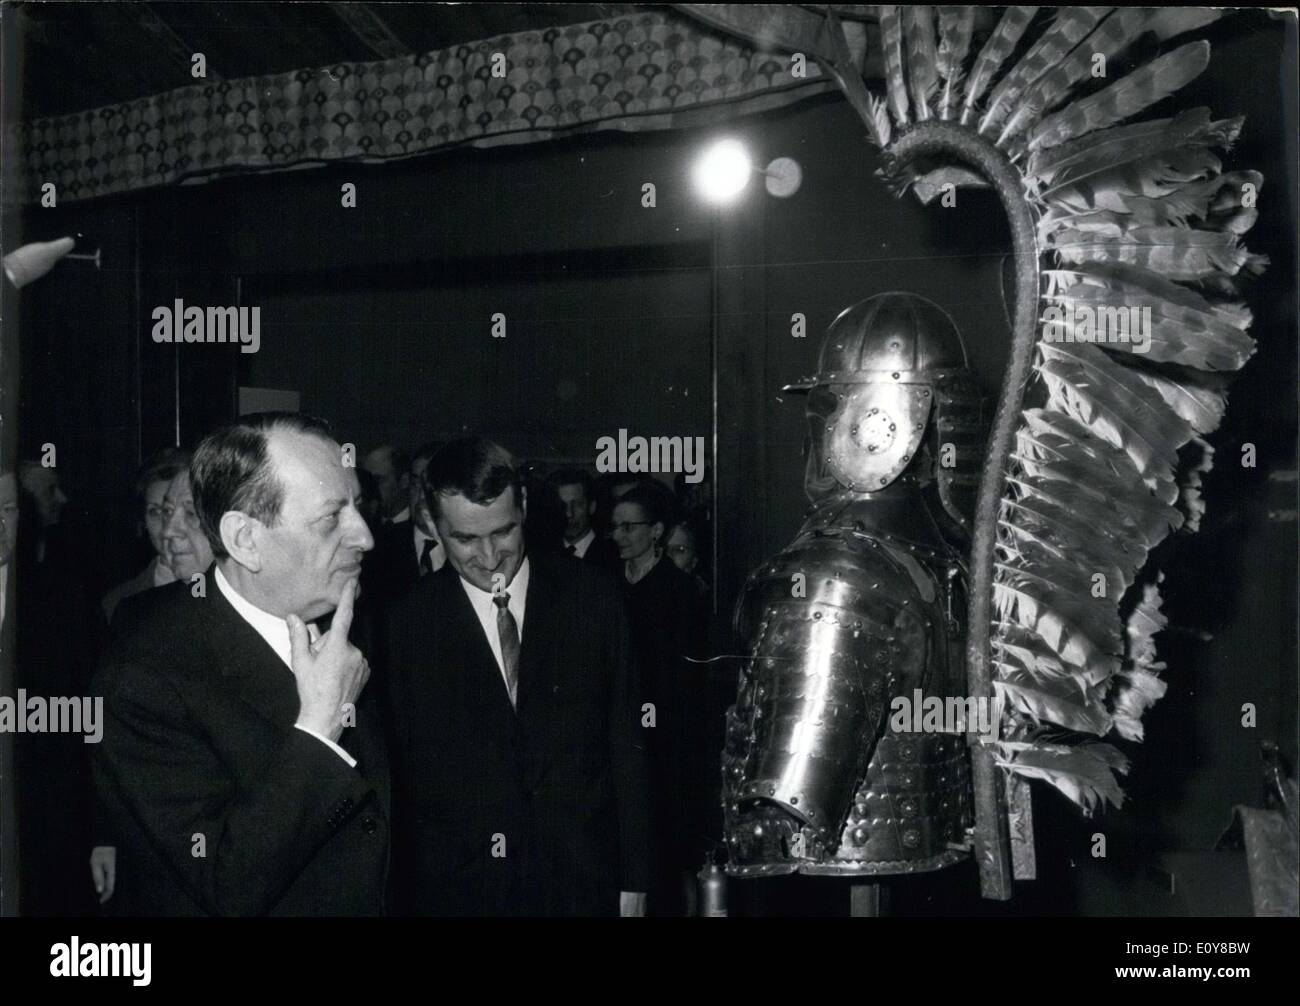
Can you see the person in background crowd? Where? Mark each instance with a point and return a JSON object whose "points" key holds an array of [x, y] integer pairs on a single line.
{"points": [[390, 466], [545, 520], [43, 484], [668, 625], [407, 547], [371, 503], [56, 634], [150, 486], [694, 505], [576, 491], [682, 550], [519, 760]]}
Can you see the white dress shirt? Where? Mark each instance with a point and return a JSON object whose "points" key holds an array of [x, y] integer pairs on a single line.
{"points": [[486, 611], [275, 631], [582, 544]]}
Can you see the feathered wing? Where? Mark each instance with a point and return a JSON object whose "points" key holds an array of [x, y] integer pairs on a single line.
{"points": [[1139, 242]]}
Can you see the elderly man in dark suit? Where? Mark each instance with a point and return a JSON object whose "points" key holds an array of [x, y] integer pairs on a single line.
{"points": [[519, 758], [243, 773]]}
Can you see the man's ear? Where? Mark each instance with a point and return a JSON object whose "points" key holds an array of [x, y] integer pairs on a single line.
{"points": [[523, 499], [239, 538]]}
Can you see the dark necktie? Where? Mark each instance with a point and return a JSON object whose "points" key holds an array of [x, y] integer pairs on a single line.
{"points": [[571, 548], [426, 562], [508, 633]]}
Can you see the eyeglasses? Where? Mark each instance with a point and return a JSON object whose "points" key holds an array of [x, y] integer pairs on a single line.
{"points": [[623, 525]]}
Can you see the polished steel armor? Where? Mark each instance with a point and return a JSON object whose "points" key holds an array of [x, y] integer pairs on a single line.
{"points": [[866, 604]]}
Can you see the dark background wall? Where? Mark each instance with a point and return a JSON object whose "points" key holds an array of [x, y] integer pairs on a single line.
{"points": [[380, 317]]}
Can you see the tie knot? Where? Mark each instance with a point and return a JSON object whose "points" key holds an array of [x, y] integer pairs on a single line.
{"points": [[501, 600]]}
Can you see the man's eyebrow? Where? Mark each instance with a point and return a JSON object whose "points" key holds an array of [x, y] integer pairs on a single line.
{"points": [[329, 505], [496, 530]]}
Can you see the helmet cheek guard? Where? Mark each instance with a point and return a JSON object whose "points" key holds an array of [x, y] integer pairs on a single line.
{"points": [[874, 434]]}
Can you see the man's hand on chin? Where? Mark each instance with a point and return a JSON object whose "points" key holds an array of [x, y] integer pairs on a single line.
{"points": [[631, 904]]}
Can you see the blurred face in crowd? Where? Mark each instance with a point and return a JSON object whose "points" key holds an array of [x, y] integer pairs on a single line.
{"points": [[43, 484], [618, 489], [681, 549], [419, 505], [379, 463], [632, 532], [154, 518], [315, 546], [185, 546], [483, 540], [577, 510], [8, 517]]}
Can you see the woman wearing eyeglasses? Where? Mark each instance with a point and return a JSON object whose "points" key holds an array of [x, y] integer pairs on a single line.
{"points": [[667, 626]]}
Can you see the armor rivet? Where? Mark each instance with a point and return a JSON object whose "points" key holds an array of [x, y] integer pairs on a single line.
{"points": [[895, 375], [758, 831], [911, 839], [859, 836]]}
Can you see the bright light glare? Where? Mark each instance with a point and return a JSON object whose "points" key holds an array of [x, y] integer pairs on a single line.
{"points": [[723, 172]]}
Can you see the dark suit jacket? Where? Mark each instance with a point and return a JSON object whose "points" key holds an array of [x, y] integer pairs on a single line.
{"points": [[138, 584], [391, 568], [199, 741], [562, 783], [603, 553]]}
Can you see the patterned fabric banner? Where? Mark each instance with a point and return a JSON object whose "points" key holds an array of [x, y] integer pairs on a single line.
{"points": [[655, 70]]}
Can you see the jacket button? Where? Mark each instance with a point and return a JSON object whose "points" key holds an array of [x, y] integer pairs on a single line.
{"points": [[369, 825]]}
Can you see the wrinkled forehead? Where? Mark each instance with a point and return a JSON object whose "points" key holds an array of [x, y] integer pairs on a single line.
{"points": [[178, 489], [311, 470], [629, 511], [156, 490]]}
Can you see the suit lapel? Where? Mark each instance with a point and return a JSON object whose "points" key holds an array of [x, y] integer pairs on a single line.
{"points": [[248, 662]]}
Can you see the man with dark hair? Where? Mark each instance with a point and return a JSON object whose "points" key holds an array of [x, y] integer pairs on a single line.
{"points": [[577, 491], [391, 468], [150, 487], [407, 547], [241, 772], [519, 760]]}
